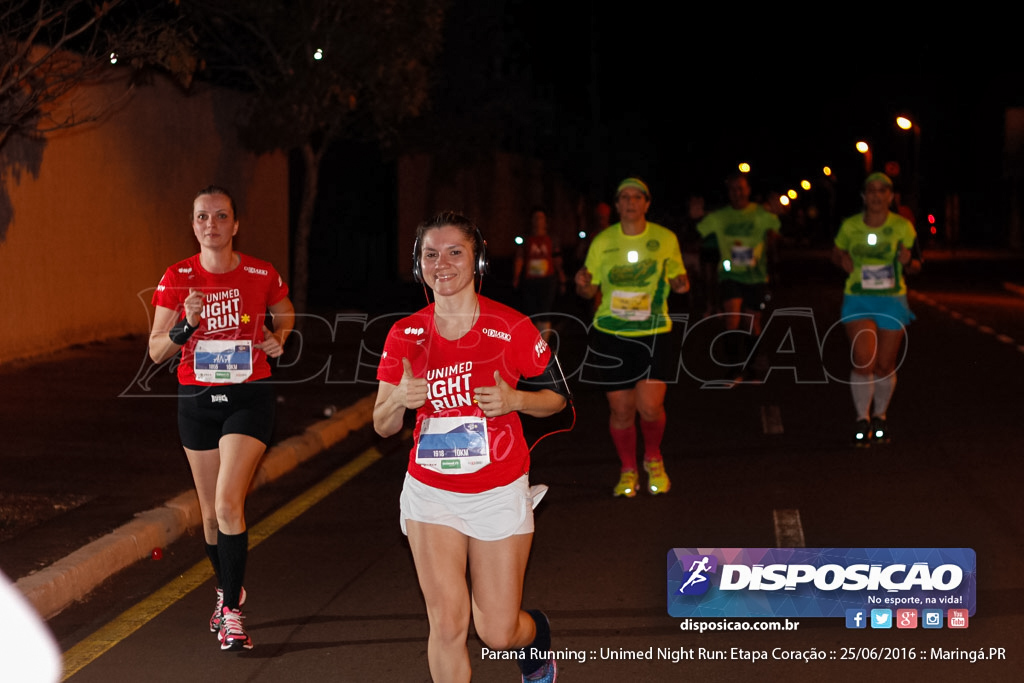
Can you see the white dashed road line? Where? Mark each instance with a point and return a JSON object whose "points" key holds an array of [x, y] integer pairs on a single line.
{"points": [[789, 532], [771, 420], [957, 315]]}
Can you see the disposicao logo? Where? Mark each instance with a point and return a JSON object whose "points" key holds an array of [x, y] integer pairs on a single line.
{"points": [[696, 580], [817, 582]]}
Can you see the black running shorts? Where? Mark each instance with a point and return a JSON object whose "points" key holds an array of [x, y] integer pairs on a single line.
{"points": [[753, 295], [616, 363], [205, 414]]}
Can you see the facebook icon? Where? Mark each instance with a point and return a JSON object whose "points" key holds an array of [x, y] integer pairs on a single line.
{"points": [[856, 618]]}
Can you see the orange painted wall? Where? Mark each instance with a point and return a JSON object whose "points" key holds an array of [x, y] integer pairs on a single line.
{"points": [[91, 234]]}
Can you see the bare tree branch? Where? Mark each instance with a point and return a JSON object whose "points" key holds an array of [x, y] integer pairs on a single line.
{"points": [[50, 47], [320, 71]]}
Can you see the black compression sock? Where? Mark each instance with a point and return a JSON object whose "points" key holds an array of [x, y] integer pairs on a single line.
{"points": [[214, 555], [234, 551]]}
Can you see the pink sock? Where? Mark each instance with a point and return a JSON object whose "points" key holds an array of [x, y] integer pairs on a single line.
{"points": [[625, 446], [652, 431]]}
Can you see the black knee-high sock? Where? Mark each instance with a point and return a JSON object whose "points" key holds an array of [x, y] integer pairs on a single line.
{"points": [[536, 652], [214, 555], [233, 550]]}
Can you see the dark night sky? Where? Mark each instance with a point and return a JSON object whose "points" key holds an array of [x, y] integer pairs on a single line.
{"points": [[681, 95], [684, 97]]}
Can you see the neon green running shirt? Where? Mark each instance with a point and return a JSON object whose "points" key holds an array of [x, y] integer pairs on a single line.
{"points": [[633, 272], [741, 237], [876, 268]]}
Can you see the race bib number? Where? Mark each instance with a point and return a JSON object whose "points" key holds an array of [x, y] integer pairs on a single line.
{"points": [[878, 277], [742, 256], [453, 445], [631, 305], [223, 361], [537, 267]]}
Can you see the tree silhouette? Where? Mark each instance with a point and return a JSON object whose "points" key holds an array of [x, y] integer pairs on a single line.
{"points": [[317, 72], [48, 48]]}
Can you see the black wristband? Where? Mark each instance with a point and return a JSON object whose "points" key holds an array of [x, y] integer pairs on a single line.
{"points": [[181, 332]]}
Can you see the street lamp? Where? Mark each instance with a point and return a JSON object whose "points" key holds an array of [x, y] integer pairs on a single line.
{"points": [[865, 149], [906, 123]]}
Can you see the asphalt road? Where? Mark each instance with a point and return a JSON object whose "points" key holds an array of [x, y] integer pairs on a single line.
{"points": [[333, 593]]}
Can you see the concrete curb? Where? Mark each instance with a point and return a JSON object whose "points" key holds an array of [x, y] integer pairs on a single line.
{"points": [[1014, 288], [53, 588]]}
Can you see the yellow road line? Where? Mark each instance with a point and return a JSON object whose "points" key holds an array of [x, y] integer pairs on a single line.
{"points": [[87, 651]]}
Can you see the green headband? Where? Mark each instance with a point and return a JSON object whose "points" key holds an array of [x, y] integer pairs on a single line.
{"points": [[878, 177], [636, 184]]}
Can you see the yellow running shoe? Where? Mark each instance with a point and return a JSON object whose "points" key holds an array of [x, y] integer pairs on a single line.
{"points": [[657, 480], [627, 484]]}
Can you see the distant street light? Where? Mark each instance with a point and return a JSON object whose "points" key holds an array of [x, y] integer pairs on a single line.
{"points": [[744, 167], [830, 194], [908, 124], [865, 149]]}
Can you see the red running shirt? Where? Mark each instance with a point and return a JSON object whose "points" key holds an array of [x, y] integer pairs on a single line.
{"points": [[503, 340], [236, 306]]}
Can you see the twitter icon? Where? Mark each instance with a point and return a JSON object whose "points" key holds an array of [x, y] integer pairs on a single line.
{"points": [[881, 618]]}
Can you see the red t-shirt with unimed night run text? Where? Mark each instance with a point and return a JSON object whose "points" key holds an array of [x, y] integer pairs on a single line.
{"points": [[502, 339], [236, 307]]}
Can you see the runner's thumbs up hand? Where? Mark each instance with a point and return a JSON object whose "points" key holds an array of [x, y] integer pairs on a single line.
{"points": [[496, 400], [415, 388], [270, 344], [194, 307]]}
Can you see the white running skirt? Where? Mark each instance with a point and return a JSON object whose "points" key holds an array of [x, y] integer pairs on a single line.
{"points": [[487, 516]]}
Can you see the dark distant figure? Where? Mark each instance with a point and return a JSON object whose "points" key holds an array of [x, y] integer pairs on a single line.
{"points": [[537, 272], [743, 231]]}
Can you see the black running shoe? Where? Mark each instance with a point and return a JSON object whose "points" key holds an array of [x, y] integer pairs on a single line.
{"points": [[880, 430], [862, 434]]}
